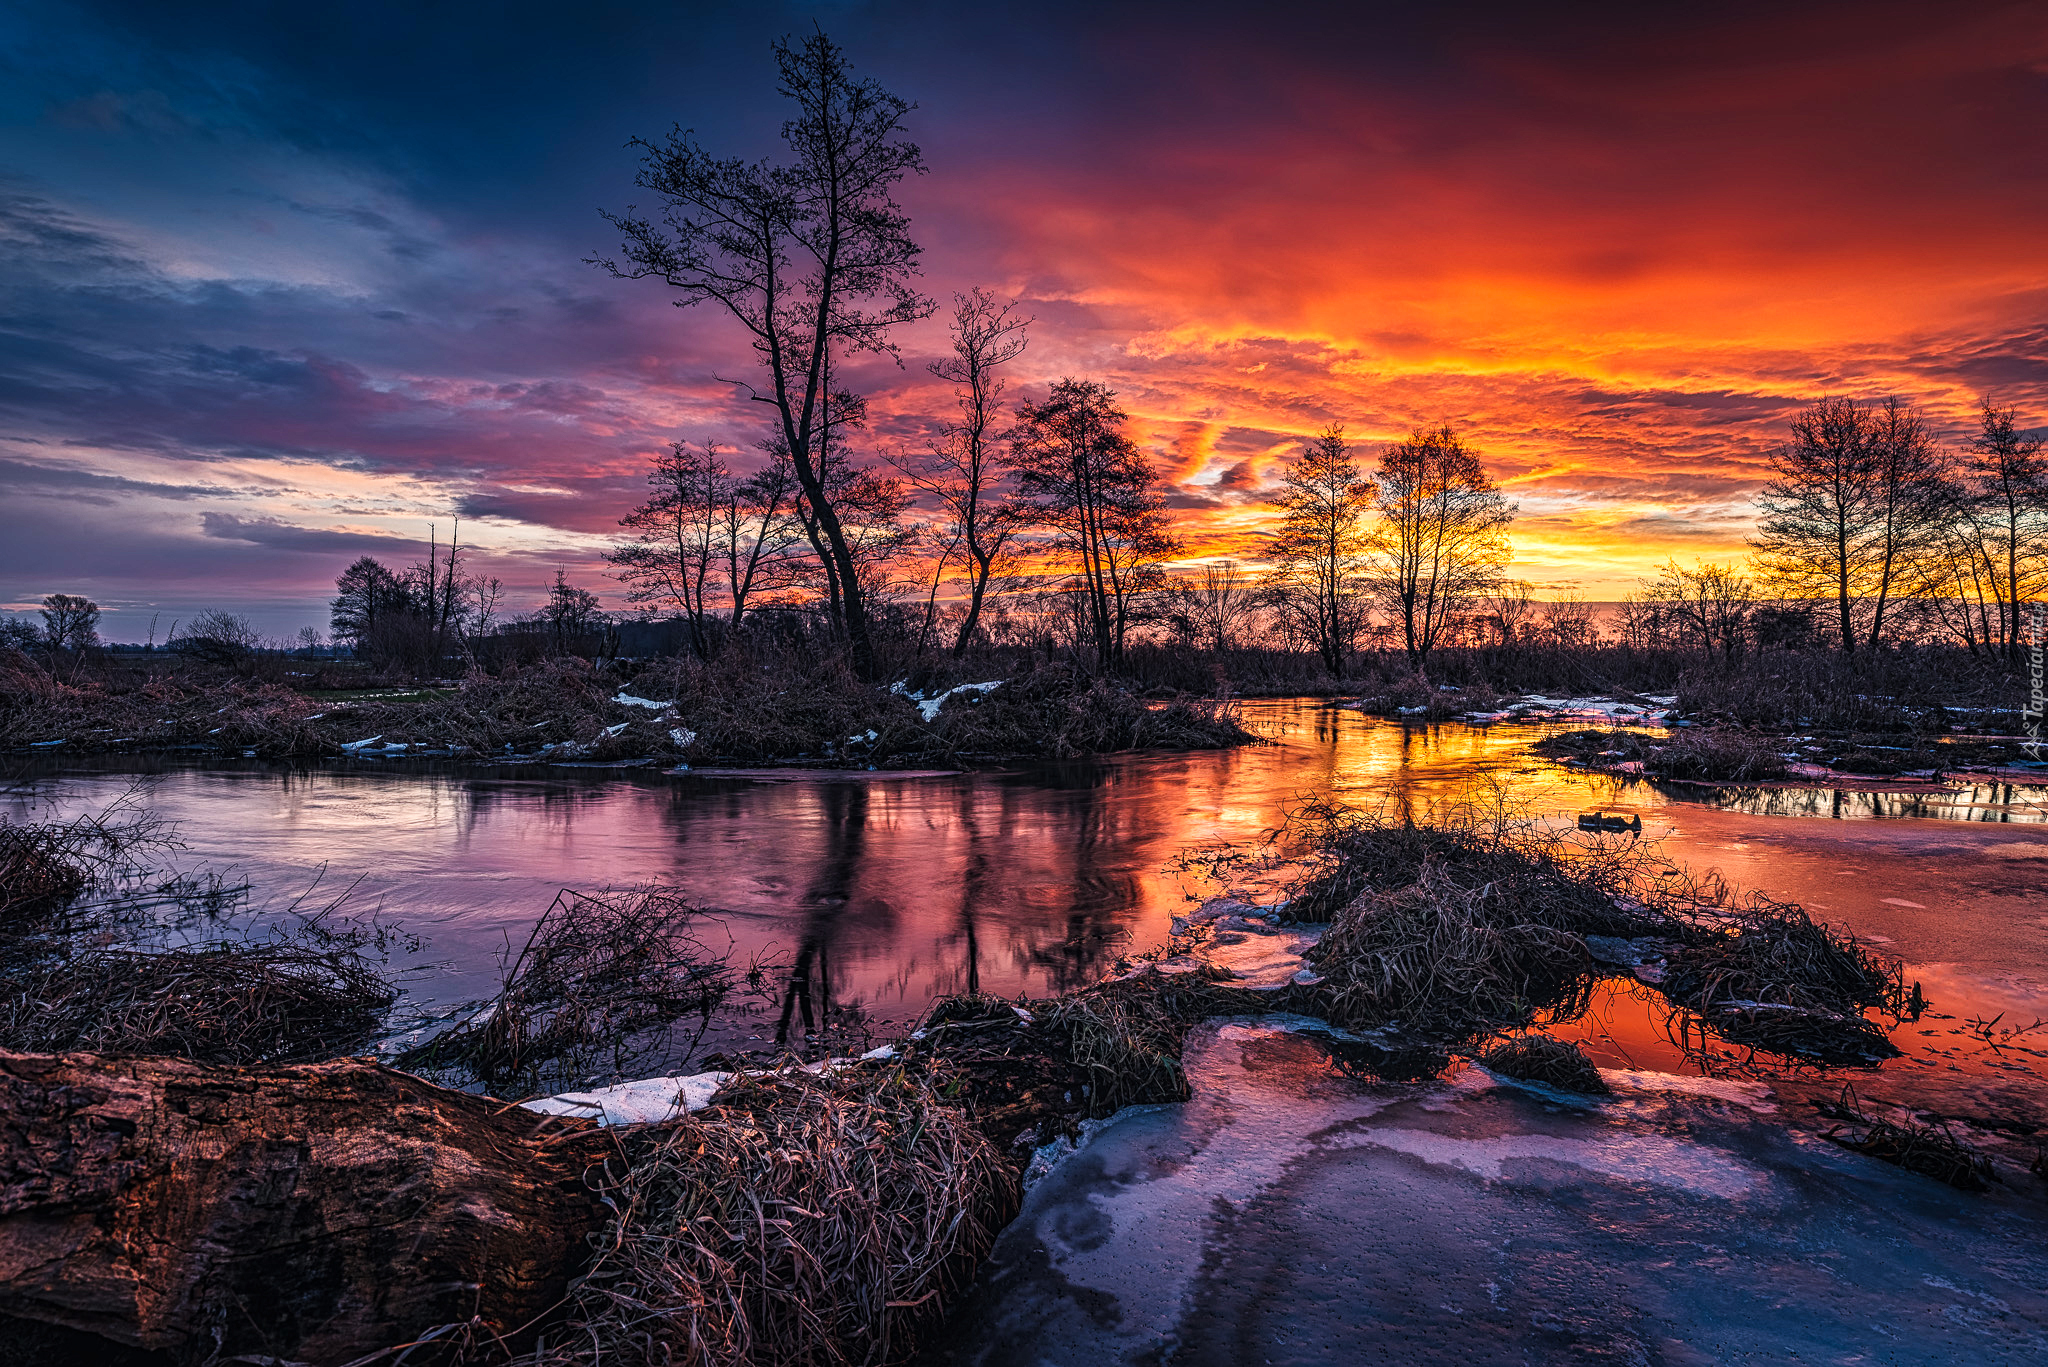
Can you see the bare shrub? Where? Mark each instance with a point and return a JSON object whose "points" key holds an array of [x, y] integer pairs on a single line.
{"points": [[596, 990]]}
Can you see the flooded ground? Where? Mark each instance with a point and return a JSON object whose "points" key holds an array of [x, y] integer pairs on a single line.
{"points": [[868, 896]]}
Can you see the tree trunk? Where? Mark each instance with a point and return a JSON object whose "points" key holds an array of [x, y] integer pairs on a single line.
{"points": [[315, 1213]]}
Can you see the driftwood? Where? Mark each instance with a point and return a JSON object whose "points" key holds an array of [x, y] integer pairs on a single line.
{"points": [[317, 1213]]}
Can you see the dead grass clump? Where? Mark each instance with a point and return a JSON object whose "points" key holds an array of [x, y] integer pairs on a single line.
{"points": [[1930, 1150], [1769, 976], [597, 990], [1057, 711], [1414, 698], [1552, 1062], [1717, 753], [1445, 960], [38, 873], [233, 1003], [803, 1220], [1595, 746], [1582, 886], [1775, 952], [1028, 1074], [1126, 1040]]}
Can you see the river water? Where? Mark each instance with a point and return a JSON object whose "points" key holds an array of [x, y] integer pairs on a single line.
{"points": [[869, 895]]}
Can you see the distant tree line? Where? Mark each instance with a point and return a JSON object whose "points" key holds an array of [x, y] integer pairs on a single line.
{"points": [[1872, 532]]}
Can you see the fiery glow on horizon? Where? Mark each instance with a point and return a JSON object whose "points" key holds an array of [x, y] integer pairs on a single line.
{"points": [[1617, 255]]}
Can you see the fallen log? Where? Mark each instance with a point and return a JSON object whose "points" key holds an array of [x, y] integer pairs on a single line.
{"points": [[316, 1213]]}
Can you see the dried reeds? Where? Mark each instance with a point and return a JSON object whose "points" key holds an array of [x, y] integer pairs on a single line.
{"points": [[804, 1220], [1552, 1062], [1767, 975], [596, 990], [234, 1002], [1443, 960], [1930, 1150], [1717, 753]]}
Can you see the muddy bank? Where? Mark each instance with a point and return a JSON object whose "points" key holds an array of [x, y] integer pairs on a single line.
{"points": [[572, 711]]}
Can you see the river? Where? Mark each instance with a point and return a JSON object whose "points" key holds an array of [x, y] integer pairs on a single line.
{"points": [[868, 895]]}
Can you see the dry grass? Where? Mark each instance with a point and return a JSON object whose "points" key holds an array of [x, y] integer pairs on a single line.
{"points": [[596, 990], [1443, 960], [232, 1003], [804, 1220], [1930, 1150], [1585, 885], [1765, 974], [1716, 753], [1552, 1062], [758, 702], [1467, 920]]}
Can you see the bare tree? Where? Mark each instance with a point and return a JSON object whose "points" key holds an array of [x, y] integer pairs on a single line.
{"points": [[1856, 501], [1711, 602], [808, 256], [670, 562], [70, 622], [1568, 621], [1211, 607], [1088, 482], [1508, 609], [963, 470], [219, 637], [1320, 549], [759, 531], [1441, 538], [2006, 485]]}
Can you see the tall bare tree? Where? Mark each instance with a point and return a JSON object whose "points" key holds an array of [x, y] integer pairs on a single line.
{"points": [[1088, 482], [963, 469], [1856, 501], [810, 256], [1319, 551], [1441, 538], [2006, 484]]}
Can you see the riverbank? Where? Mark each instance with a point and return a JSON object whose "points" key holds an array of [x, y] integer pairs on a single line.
{"points": [[570, 710]]}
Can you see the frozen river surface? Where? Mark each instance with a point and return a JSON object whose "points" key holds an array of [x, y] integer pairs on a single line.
{"points": [[1292, 1215]]}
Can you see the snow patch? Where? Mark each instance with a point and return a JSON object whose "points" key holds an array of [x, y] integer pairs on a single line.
{"points": [[929, 707], [646, 1102], [628, 700]]}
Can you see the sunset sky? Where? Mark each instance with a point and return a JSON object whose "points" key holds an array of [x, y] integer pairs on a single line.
{"points": [[282, 285]]}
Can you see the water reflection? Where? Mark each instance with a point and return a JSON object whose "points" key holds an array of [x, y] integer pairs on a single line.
{"points": [[2004, 803], [871, 896]]}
